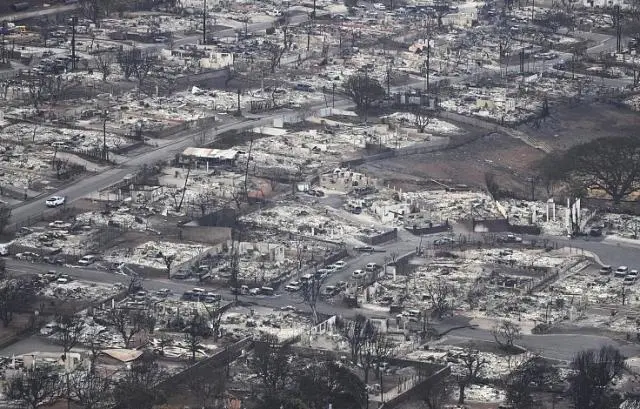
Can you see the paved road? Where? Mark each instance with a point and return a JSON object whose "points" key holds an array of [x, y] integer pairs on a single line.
{"points": [[556, 346], [35, 13], [107, 178]]}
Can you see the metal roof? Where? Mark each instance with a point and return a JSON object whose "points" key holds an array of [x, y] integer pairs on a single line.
{"points": [[203, 153]]}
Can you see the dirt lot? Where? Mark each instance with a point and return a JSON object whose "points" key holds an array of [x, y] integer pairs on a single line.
{"points": [[573, 124], [509, 160], [501, 155]]}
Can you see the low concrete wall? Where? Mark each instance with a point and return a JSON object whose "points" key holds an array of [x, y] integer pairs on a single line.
{"points": [[381, 238], [431, 229], [525, 229]]}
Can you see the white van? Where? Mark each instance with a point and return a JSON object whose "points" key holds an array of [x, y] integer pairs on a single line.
{"points": [[86, 260]]}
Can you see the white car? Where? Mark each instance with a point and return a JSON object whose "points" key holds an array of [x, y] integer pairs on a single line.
{"points": [[358, 274], [55, 201], [340, 264]]}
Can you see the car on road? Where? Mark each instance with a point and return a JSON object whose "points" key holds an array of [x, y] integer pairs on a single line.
{"points": [[606, 270], [443, 241], [358, 274], [373, 267], [27, 255], [510, 238], [242, 290], [330, 291], [631, 278], [365, 249], [621, 272], [59, 224], [86, 260], [55, 201], [254, 291], [322, 273], [293, 286], [340, 264]]}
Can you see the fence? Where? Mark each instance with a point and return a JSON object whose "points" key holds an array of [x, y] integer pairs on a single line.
{"points": [[222, 358], [46, 215], [413, 387], [430, 229], [95, 155]]}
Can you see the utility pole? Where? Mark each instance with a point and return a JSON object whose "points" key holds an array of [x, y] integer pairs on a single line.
{"points": [[105, 152], [204, 23], [74, 21], [389, 77], [533, 7], [333, 96], [428, 62], [366, 102], [618, 30], [239, 101]]}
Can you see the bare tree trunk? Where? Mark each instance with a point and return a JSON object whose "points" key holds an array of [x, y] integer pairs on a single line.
{"points": [[461, 394], [184, 188]]}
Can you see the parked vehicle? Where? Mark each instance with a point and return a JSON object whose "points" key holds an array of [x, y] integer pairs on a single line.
{"points": [[293, 286], [267, 291], [358, 274], [630, 280], [55, 201], [605, 270], [621, 272], [365, 249], [371, 267], [443, 241], [340, 264], [86, 260], [510, 238], [304, 87], [21, 6]]}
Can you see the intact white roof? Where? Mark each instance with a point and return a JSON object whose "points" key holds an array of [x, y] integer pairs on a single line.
{"points": [[221, 154]]}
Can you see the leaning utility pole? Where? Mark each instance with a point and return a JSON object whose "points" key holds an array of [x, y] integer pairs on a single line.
{"points": [[74, 21], [204, 23]]}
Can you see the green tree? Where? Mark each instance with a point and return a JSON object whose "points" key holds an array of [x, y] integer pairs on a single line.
{"points": [[611, 164]]}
